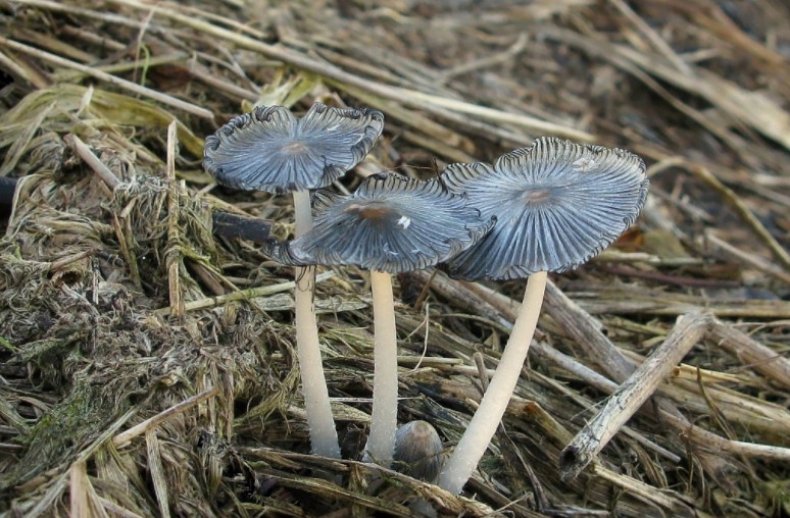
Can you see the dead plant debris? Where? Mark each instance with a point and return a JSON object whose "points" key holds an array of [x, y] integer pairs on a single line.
{"points": [[147, 367]]}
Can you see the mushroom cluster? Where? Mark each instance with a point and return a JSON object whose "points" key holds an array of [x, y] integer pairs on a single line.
{"points": [[390, 224], [546, 208]]}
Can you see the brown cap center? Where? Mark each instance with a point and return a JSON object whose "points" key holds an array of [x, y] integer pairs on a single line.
{"points": [[536, 196], [294, 148], [372, 211]]}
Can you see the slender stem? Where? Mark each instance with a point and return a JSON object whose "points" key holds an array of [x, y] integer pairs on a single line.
{"points": [[323, 435], [488, 416], [381, 442]]}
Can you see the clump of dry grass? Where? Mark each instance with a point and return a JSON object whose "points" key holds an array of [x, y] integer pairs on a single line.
{"points": [[147, 366]]}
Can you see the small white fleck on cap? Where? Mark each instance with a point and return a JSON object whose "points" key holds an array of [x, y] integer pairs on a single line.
{"points": [[390, 224]]}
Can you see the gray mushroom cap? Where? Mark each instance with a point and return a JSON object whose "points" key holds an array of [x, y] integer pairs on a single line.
{"points": [[557, 205], [270, 150], [418, 450], [390, 223]]}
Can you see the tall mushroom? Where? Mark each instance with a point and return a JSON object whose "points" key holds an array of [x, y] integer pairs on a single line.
{"points": [[390, 224], [557, 205], [270, 150]]}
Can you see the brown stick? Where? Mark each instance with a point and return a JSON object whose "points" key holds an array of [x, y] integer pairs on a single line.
{"points": [[716, 443], [630, 396], [749, 259], [98, 167], [752, 353], [586, 332], [744, 212], [173, 255], [123, 438], [456, 291]]}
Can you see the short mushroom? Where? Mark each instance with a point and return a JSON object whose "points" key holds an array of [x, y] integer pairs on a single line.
{"points": [[418, 450], [557, 205], [390, 224], [270, 150]]}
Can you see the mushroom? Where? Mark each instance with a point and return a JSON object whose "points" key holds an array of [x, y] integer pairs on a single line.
{"points": [[418, 454], [557, 205], [390, 224], [270, 150], [418, 450]]}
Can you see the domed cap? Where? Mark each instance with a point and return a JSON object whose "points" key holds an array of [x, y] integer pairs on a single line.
{"points": [[270, 150], [418, 451], [390, 223], [557, 205]]}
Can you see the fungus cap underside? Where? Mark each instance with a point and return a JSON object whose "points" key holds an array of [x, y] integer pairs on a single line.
{"points": [[557, 205], [390, 223]]}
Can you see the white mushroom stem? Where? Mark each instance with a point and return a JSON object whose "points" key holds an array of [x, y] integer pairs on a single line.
{"points": [[323, 435], [381, 441], [489, 414]]}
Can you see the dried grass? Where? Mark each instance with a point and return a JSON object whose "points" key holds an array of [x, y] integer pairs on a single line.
{"points": [[147, 365]]}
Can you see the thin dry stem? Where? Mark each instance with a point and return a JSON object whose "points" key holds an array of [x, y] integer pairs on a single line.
{"points": [[744, 212], [247, 294], [103, 76], [123, 438], [752, 353], [98, 167], [587, 334], [634, 391], [173, 255]]}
